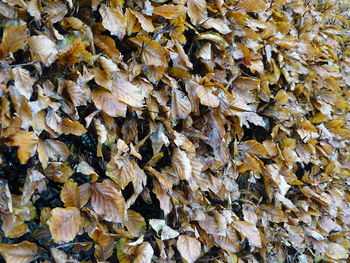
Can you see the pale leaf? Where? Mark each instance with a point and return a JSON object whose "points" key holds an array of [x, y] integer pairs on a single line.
{"points": [[144, 253], [113, 20], [197, 11], [189, 248], [43, 49]]}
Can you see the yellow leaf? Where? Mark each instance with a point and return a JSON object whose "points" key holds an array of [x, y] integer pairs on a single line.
{"points": [[64, 223], [336, 251], [23, 252], [169, 11], [72, 127], [27, 143], [256, 6], [13, 38], [281, 97]]}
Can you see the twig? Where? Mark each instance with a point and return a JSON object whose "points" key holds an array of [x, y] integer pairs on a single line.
{"points": [[17, 65]]}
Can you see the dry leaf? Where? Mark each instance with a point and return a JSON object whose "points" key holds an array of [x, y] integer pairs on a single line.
{"points": [[197, 11], [108, 202], [43, 49], [169, 11], [64, 223], [249, 231], [70, 194], [189, 248], [152, 53], [105, 101], [23, 252]]}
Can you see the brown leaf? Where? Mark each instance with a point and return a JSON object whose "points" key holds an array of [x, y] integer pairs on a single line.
{"points": [[13, 225], [108, 202], [152, 53], [72, 127], [70, 194], [146, 22], [249, 231], [34, 181], [181, 164], [64, 223], [126, 92], [23, 252], [107, 102], [135, 223], [181, 105], [79, 95], [56, 150], [189, 248], [252, 5], [5, 198], [59, 172], [206, 96], [252, 146]]}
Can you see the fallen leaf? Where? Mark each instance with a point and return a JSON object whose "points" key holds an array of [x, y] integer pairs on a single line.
{"points": [[64, 223], [108, 202], [43, 49], [189, 248], [105, 101], [169, 11], [23, 252]]}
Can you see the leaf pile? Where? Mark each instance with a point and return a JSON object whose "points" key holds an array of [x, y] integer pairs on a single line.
{"points": [[174, 131]]}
